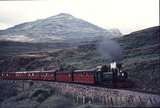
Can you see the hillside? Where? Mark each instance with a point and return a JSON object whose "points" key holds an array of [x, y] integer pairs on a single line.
{"points": [[142, 57], [141, 60]]}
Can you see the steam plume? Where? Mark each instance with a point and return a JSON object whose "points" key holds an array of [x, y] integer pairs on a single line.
{"points": [[110, 50]]}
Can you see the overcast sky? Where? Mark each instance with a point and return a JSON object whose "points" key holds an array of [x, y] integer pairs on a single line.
{"points": [[126, 15]]}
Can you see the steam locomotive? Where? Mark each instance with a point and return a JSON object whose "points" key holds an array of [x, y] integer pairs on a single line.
{"points": [[100, 75]]}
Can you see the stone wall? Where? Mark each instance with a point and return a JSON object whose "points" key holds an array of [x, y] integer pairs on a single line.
{"points": [[82, 94]]}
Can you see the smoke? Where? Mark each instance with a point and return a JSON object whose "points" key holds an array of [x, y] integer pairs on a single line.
{"points": [[110, 50]]}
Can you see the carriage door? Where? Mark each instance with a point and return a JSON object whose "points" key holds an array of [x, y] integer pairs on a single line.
{"points": [[99, 76]]}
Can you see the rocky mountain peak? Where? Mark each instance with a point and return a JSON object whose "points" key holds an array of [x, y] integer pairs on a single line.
{"points": [[62, 16]]}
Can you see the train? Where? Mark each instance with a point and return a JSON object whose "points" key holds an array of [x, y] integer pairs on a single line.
{"points": [[100, 75]]}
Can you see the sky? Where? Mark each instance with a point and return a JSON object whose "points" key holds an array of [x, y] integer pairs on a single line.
{"points": [[126, 15]]}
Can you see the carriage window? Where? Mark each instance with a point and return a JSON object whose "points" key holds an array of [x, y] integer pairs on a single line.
{"points": [[46, 74], [87, 74], [32, 74], [6, 74], [69, 75]]}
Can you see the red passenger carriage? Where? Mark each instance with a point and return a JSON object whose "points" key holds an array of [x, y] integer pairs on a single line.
{"points": [[95, 76]]}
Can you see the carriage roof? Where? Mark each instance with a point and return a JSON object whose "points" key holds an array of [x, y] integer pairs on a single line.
{"points": [[88, 70]]}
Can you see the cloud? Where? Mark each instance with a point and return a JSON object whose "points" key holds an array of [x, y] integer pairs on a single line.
{"points": [[17, 0]]}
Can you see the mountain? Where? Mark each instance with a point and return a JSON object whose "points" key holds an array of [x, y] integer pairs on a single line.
{"points": [[115, 32], [55, 28]]}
